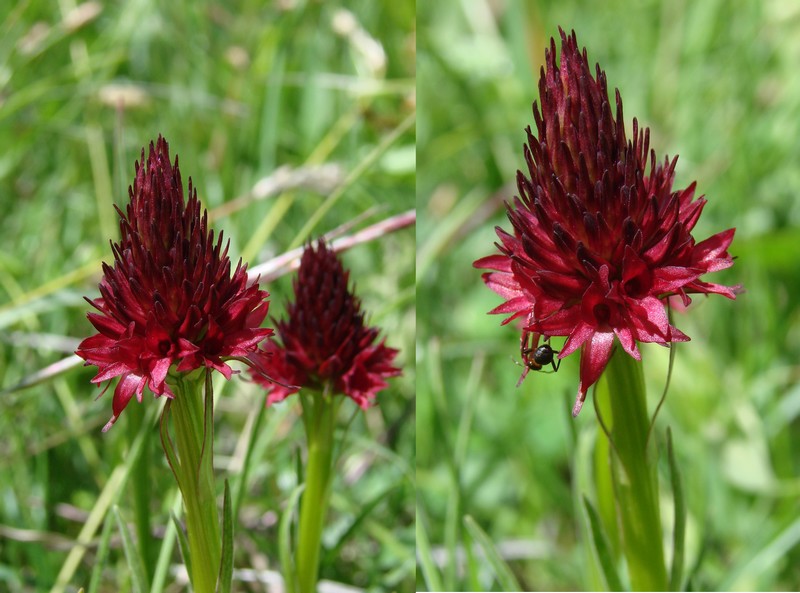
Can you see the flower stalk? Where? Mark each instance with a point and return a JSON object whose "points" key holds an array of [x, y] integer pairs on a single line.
{"points": [[172, 309], [191, 459], [622, 409], [319, 416], [327, 354]]}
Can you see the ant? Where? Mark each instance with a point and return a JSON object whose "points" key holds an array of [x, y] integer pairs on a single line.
{"points": [[542, 355], [534, 356]]}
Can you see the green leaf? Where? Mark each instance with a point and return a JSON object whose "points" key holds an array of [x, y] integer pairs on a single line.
{"points": [[226, 568], [505, 577], [602, 548], [285, 540], [137, 571], [426, 562], [679, 534], [183, 543]]}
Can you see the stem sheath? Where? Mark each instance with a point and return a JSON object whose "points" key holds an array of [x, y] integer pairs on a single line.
{"points": [[320, 419], [634, 474], [195, 475]]}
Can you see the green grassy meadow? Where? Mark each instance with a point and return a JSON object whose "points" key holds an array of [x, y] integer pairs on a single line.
{"points": [[717, 83], [293, 119], [298, 118]]}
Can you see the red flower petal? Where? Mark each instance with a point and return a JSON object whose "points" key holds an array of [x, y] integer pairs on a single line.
{"points": [[595, 355], [127, 386]]}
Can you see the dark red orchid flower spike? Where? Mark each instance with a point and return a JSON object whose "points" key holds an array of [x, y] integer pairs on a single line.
{"points": [[325, 339], [600, 238], [170, 302]]}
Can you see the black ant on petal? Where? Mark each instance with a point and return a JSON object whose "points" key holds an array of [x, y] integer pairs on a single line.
{"points": [[542, 356], [534, 356]]}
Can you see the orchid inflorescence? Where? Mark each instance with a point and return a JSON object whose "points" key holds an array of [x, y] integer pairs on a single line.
{"points": [[601, 240]]}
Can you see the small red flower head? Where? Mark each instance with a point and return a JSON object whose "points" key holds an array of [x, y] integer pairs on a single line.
{"points": [[170, 300], [325, 340], [601, 240]]}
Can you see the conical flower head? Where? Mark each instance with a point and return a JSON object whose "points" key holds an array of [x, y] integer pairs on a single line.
{"points": [[600, 237], [325, 340], [170, 300]]}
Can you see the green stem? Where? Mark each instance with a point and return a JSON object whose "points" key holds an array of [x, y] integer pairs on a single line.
{"points": [[634, 474], [195, 474], [320, 419]]}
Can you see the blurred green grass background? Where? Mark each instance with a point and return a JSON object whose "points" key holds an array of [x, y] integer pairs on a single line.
{"points": [[717, 83], [240, 90]]}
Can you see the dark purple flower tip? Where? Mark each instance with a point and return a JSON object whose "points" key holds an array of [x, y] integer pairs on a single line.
{"points": [[600, 238], [170, 300], [324, 340]]}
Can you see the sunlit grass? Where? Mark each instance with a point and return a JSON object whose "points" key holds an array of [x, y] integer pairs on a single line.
{"points": [[715, 86], [311, 101]]}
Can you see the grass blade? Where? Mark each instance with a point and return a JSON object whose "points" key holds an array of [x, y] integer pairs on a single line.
{"points": [[183, 543], [240, 482], [365, 510], [285, 540], [108, 496], [452, 532], [425, 558], [473, 565], [506, 578], [602, 548], [101, 556], [763, 558], [368, 161], [138, 575], [141, 490], [167, 546]]}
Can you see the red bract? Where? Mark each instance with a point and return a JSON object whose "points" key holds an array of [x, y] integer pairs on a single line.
{"points": [[325, 340], [170, 301], [601, 240]]}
